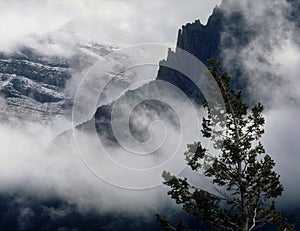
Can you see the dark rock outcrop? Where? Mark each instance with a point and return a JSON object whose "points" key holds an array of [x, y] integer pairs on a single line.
{"points": [[222, 31]]}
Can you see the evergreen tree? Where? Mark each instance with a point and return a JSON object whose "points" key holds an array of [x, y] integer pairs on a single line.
{"points": [[242, 173]]}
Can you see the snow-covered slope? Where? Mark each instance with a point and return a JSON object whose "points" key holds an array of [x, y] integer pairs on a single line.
{"points": [[33, 83]]}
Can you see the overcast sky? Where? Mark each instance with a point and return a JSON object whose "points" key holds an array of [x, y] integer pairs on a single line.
{"points": [[120, 22]]}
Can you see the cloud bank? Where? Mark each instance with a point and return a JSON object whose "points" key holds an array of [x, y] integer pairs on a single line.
{"points": [[117, 22], [270, 62]]}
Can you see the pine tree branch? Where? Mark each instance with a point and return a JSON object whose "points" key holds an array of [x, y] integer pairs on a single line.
{"points": [[230, 176], [225, 197], [253, 220]]}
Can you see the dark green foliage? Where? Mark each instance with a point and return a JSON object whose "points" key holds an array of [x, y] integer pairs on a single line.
{"points": [[244, 182]]}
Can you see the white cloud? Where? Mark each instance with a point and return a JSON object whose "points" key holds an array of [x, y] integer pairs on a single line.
{"points": [[121, 22]]}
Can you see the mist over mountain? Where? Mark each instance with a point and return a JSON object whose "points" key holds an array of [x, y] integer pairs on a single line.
{"points": [[63, 179]]}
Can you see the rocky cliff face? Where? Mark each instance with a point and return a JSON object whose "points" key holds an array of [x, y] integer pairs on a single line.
{"points": [[223, 31], [32, 84], [237, 33]]}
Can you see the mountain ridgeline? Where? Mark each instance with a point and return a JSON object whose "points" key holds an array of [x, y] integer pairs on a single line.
{"points": [[223, 31]]}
